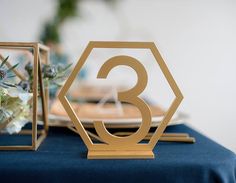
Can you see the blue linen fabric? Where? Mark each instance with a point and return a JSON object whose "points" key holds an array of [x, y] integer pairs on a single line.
{"points": [[62, 158]]}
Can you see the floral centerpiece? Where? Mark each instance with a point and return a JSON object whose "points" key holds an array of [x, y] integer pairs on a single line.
{"points": [[16, 98]]}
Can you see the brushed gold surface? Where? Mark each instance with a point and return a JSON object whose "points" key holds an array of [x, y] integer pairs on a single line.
{"points": [[38, 50], [123, 147]]}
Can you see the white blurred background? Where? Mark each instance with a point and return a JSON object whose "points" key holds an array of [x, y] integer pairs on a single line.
{"points": [[197, 39]]}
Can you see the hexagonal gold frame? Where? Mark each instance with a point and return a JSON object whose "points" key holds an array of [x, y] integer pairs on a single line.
{"points": [[105, 151]]}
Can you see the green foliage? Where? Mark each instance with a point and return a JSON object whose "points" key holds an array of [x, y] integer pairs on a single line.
{"points": [[50, 33], [65, 10], [14, 98], [6, 74], [54, 75], [4, 61]]}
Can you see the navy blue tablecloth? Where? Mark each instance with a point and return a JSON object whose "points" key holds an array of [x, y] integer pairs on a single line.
{"points": [[62, 158]]}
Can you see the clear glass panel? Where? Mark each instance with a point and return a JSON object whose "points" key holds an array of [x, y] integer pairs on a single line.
{"points": [[17, 78], [96, 99]]}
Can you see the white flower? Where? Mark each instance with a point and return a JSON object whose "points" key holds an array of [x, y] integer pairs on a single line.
{"points": [[16, 125], [20, 103], [17, 92], [3, 91], [4, 114]]}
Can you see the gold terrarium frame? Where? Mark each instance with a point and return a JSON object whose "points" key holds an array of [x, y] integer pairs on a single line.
{"points": [[40, 54], [122, 147]]}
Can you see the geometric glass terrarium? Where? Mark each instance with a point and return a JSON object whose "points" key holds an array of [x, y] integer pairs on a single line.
{"points": [[23, 98]]}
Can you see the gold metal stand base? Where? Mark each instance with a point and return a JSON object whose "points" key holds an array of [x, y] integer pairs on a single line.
{"points": [[33, 147], [120, 155]]}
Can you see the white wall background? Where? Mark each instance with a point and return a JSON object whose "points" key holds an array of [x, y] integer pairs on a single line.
{"points": [[197, 39]]}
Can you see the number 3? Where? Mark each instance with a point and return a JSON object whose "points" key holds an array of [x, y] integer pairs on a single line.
{"points": [[130, 96]]}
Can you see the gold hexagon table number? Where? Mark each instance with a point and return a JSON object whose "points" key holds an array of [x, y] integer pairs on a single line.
{"points": [[116, 147]]}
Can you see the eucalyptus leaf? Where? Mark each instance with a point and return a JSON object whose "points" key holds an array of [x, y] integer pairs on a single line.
{"points": [[4, 61], [13, 67]]}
